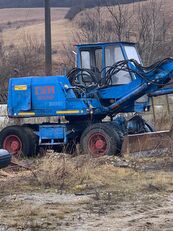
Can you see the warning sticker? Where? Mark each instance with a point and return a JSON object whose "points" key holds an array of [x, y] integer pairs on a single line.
{"points": [[20, 87]]}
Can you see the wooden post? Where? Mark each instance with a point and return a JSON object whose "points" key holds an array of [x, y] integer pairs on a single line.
{"points": [[48, 42], [154, 112]]}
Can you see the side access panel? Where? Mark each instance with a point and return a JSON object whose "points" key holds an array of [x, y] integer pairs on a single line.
{"points": [[49, 95], [19, 98], [52, 134]]}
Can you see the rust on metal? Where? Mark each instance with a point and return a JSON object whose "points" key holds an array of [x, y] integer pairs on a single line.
{"points": [[147, 143]]}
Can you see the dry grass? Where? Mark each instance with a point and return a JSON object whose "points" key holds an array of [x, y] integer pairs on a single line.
{"points": [[36, 217], [61, 33], [31, 22], [27, 14], [167, 6], [66, 173], [81, 174]]}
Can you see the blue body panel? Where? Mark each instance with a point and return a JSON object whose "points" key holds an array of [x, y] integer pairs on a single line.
{"points": [[52, 134], [43, 96]]}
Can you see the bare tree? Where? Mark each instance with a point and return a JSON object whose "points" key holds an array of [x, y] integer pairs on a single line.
{"points": [[105, 24], [121, 18], [144, 23], [152, 30], [23, 60], [94, 26]]}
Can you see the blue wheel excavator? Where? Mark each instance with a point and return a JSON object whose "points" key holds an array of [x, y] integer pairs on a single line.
{"points": [[108, 80]]}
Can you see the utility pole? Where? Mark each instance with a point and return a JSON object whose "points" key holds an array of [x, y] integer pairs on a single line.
{"points": [[48, 42]]}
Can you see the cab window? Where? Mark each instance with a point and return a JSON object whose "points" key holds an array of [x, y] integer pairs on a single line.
{"points": [[113, 55], [85, 59], [132, 53]]}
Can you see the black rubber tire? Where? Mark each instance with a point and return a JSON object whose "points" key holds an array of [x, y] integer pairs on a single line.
{"points": [[24, 136], [33, 139], [110, 134], [121, 139]]}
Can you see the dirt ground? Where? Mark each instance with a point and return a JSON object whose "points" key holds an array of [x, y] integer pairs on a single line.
{"points": [[105, 194]]}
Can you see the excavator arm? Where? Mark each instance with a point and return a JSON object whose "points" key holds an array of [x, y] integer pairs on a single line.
{"points": [[151, 81]]}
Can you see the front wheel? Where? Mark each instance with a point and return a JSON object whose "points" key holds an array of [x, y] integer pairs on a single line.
{"points": [[99, 140], [18, 141]]}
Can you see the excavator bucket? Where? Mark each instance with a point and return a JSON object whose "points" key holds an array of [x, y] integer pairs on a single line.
{"points": [[148, 144]]}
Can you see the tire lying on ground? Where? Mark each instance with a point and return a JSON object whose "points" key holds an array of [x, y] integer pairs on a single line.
{"points": [[5, 158], [18, 140]]}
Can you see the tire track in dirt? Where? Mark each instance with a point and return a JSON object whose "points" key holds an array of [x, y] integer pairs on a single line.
{"points": [[129, 216]]}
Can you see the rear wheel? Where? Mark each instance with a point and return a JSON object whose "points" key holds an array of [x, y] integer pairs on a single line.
{"points": [[17, 141], [99, 140]]}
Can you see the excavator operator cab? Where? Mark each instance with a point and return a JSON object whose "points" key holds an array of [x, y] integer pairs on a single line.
{"points": [[100, 57]]}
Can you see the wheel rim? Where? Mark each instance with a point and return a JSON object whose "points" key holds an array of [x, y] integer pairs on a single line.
{"points": [[13, 144], [98, 144]]}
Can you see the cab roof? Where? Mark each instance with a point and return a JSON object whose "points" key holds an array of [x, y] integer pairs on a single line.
{"points": [[104, 44]]}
